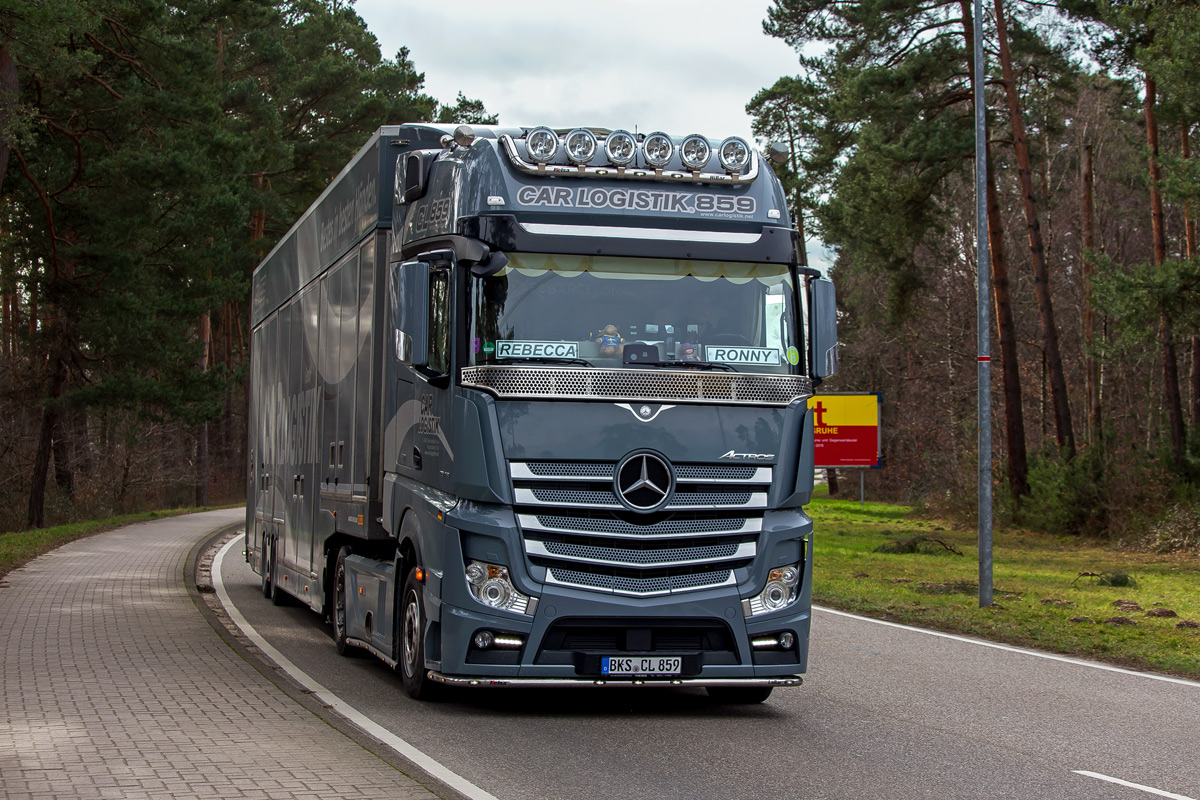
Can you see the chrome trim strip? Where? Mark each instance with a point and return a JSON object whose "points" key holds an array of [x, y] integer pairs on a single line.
{"points": [[636, 173], [576, 683], [529, 522], [744, 550], [656, 234]]}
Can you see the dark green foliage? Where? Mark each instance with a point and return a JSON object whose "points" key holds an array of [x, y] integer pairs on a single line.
{"points": [[158, 150]]}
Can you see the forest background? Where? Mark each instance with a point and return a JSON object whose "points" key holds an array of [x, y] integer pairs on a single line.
{"points": [[151, 153]]}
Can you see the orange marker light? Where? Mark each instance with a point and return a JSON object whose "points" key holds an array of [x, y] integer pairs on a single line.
{"points": [[420, 575]]}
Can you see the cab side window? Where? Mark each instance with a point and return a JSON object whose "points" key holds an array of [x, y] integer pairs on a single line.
{"points": [[439, 321]]}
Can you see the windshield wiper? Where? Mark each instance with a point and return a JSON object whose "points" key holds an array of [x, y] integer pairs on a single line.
{"points": [[546, 360], [688, 364]]}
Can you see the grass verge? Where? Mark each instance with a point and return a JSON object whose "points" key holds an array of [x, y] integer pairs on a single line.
{"points": [[19, 547], [1070, 596]]}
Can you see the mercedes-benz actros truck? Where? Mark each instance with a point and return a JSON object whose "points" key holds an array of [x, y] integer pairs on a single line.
{"points": [[528, 407]]}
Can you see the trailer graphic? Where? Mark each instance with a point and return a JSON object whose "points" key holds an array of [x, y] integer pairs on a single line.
{"points": [[530, 407]]}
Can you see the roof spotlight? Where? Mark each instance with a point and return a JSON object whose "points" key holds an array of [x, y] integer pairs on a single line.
{"points": [[734, 154], [658, 149], [541, 144], [620, 147], [695, 151], [581, 146]]}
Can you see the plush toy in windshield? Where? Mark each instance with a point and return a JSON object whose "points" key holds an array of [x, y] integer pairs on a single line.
{"points": [[609, 340]]}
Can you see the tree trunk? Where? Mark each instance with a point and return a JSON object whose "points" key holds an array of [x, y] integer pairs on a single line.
{"points": [[1171, 396], [832, 480], [202, 468], [1014, 414], [1090, 362], [41, 462], [1064, 433], [9, 96], [1189, 231]]}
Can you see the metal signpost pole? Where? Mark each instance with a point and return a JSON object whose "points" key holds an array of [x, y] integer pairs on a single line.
{"points": [[984, 357]]}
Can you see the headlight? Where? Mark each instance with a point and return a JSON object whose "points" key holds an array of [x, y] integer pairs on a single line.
{"points": [[581, 146], [620, 147], [782, 589], [541, 144], [490, 585], [734, 154], [658, 149], [695, 151]]}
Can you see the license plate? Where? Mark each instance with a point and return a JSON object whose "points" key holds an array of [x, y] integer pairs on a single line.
{"points": [[641, 665]]}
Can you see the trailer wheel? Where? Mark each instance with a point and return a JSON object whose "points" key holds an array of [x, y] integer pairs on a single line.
{"points": [[268, 564], [739, 695], [278, 596], [412, 641], [340, 637]]}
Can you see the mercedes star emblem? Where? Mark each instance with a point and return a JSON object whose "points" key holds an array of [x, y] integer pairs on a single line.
{"points": [[644, 481]]}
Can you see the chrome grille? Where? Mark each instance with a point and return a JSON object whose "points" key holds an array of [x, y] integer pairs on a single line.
{"points": [[638, 385], [575, 526]]}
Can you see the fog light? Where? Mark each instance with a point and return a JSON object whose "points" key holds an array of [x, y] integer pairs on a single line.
{"points": [[695, 151], [658, 149], [541, 145], [787, 640], [734, 154], [620, 147], [484, 639], [581, 146]]}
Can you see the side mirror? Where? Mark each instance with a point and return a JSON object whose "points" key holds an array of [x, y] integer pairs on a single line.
{"points": [[408, 300], [823, 328]]}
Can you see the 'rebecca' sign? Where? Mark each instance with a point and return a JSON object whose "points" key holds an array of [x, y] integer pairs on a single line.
{"points": [[630, 199]]}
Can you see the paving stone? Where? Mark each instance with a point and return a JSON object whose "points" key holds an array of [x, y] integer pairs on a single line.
{"points": [[112, 684]]}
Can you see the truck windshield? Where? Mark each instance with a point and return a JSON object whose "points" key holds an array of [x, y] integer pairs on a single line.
{"points": [[608, 311]]}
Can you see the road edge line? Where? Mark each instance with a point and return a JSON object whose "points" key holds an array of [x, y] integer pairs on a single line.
{"points": [[337, 704], [1011, 649], [1131, 785]]}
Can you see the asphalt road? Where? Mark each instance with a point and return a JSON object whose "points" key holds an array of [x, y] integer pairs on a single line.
{"points": [[885, 712]]}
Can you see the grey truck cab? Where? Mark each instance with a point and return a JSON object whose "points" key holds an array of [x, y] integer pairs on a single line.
{"points": [[537, 400]]}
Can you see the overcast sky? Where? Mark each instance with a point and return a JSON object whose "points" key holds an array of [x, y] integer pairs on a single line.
{"points": [[680, 66]]}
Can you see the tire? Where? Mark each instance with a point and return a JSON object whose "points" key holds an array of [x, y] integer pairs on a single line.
{"points": [[341, 637], [411, 663], [739, 695], [279, 596], [268, 578]]}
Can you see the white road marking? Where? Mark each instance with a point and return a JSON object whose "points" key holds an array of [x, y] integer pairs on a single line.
{"points": [[434, 768], [1008, 648], [1131, 785]]}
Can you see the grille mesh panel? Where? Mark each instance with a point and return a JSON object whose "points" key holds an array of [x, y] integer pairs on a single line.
{"points": [[619, 583], [639, 556], [673, 527], [638, 385]]}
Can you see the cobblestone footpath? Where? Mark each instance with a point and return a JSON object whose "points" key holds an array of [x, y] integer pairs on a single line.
{"points": [[115, 685]]}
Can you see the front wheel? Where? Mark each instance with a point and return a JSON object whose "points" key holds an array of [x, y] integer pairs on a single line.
{"points": [[340, 636], [416, 678], [739, 695]]}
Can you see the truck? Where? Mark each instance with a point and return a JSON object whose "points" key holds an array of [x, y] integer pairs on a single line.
{"points": [[529, 407]]}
